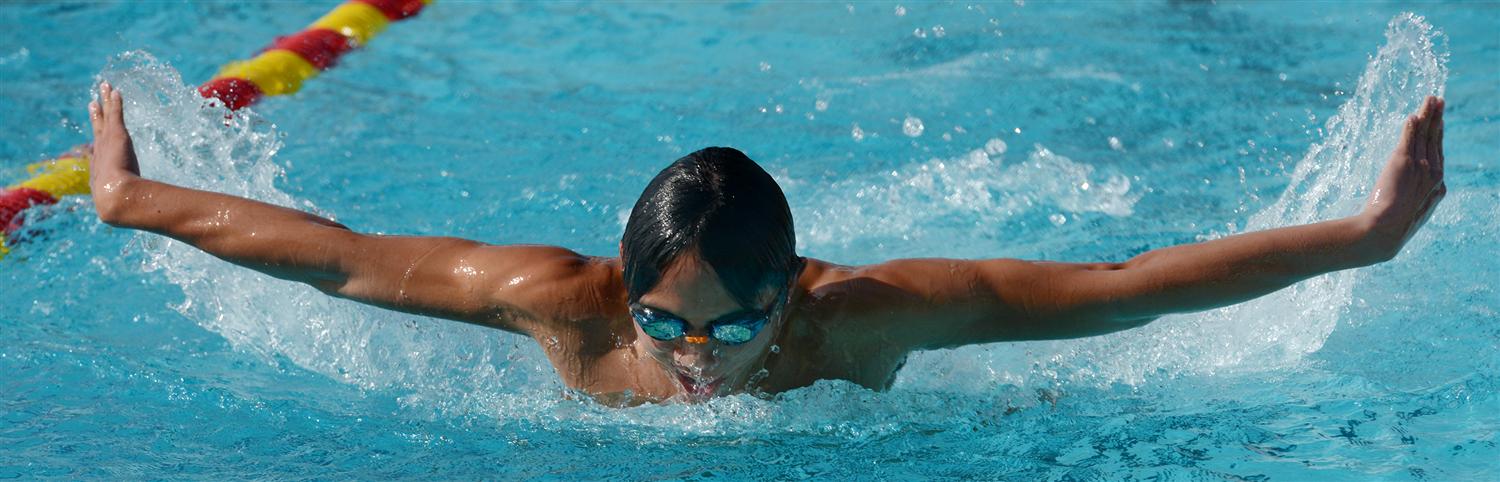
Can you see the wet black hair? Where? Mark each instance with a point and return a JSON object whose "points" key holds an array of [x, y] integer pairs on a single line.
{"points": [[721, 206]]}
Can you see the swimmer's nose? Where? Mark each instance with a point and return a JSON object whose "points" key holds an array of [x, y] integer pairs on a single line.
{"points": [[695, 354]]}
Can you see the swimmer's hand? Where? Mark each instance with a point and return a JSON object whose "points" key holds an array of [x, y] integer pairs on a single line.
{"points": [[1411, 185], [112, 164]]}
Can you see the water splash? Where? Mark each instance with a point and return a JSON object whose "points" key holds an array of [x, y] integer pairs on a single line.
{"points": [[918, 201], [1330, 181], [443, 366]]}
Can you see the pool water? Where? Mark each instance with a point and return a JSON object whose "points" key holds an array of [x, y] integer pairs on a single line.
{"points": [[1075, 131]]}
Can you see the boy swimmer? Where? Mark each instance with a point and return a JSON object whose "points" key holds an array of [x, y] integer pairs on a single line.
{"points": [[709, 297]]}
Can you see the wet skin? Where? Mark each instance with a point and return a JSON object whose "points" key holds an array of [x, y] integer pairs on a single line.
{"points": [[855, 323]]}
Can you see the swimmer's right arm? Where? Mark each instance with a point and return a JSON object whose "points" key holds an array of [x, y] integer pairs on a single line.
{"points": [[506, 287]]}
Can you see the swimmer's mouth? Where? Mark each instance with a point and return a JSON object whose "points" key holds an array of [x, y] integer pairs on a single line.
{"points": [[697, 388]]}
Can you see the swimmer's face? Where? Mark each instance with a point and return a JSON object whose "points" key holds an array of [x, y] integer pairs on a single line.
{"points": [[692, 291]]}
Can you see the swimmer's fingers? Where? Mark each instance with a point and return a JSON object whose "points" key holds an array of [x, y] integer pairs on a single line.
{"points": [[1429, 118], [1431, 160], [1428, 206], [114, 108], [95, 115], [112, 150], [1419, 142], [1435, 144], [1428, 159], [1408, 131], [1441, 189]]}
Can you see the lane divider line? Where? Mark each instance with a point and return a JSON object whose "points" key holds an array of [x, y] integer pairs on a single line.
{"points": [[279, 69]]}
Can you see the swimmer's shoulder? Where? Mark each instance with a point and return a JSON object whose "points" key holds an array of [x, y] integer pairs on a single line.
{"points": [[561, 292], [872, 303], [838, 302], [829, 289]]}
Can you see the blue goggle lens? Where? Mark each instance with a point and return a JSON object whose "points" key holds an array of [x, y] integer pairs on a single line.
{"points": [[658, 328], [666, 328], [734, 334]]}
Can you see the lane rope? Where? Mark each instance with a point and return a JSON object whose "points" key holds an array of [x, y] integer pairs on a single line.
{"points": [[279, 69]]}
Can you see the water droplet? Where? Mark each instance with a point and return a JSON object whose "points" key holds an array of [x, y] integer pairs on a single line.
{"points": [[912, 126], [820, 105], [857, 133], [994, 147], [775, 348], [1058, 219], [1114, 143], [900, 11], [938, 31], [765, 66], [919, 33]]}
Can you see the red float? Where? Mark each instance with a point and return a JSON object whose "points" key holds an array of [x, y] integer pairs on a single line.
{"points": [[15, 200], [234, 93], [396, 9], [320, 47]]}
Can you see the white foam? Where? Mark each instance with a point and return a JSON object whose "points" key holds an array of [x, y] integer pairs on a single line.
{"points": [[915, 201], [1331, 180]]}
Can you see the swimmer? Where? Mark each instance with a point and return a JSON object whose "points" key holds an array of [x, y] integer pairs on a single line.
{"points": [[708, 296]]}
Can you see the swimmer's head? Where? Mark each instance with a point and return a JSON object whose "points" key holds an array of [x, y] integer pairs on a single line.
{"points": [[720, 206], [711, 235]]}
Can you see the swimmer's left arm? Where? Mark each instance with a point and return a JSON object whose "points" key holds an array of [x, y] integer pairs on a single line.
{"points": [[982, 301], [938, 303]]}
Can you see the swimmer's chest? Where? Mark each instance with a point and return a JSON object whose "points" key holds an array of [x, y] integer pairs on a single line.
{"points": [[623, 377]]}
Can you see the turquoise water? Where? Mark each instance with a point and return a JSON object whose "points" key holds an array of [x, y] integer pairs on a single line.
{"points": [[1080, 132]]}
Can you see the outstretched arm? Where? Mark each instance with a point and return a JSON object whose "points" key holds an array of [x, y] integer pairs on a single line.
{"points": [[506, 287], [947, 303]]}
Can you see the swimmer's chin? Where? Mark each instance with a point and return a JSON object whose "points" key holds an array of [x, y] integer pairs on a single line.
{"points": [[689, 391]]}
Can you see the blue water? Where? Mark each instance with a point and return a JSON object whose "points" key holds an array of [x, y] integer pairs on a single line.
{"points": [[1079, 132]]}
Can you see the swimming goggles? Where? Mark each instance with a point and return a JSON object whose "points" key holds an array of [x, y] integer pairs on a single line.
{"points": [[732, 329]]}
